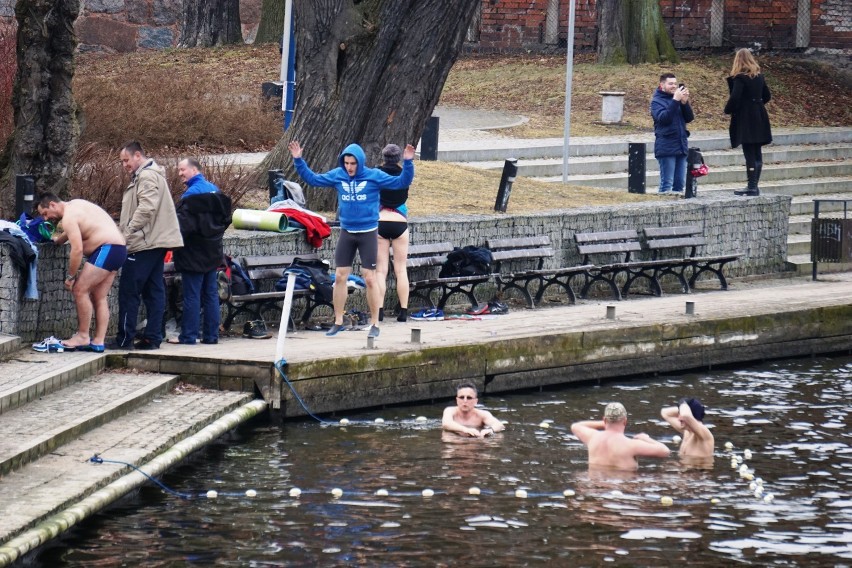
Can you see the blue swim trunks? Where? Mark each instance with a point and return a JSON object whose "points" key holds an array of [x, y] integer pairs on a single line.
{"points": [[108, 257]]}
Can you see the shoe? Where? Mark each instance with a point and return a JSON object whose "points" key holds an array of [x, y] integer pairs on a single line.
{"points": [[428, 314], [256, 330], [213, 341], [664, 192], [495, 307], [112, 345], [402, 315], [145, 345], [478, 310], [50, 345], [374, 331], [92, 347], [335, 329]]}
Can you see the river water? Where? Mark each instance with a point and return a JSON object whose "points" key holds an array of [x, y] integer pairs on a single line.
{"points": [[792, 416]]}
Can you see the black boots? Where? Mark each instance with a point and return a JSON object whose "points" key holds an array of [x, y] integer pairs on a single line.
{"points": [[752, 190]]}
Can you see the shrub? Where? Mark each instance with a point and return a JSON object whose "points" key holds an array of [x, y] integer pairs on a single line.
{"points": [[8, 68], [97, 176]]}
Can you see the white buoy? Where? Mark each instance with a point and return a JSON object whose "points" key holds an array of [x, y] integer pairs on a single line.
{"points": [[748, 476], [337, 492], [666, 500], [421, 419], [544, 425], [617, 493], [568, 493], [521, 493], [739, 459], [251, 493], [382, 493], [379, 420], [758, 492], [759, 481], [714, 500], [743, 468], [752, 486], [344, 421], [676, 439], [747, 454], [729, 446], [295, 492], [428, 493], [734, 464], [768, 498], [474, 491], [212, 494]]}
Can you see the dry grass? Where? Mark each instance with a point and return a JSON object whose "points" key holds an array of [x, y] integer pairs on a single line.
{"points": [[8, 68]]}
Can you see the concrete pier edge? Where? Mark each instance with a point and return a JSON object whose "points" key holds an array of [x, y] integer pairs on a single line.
{"points": [[60, 522]]}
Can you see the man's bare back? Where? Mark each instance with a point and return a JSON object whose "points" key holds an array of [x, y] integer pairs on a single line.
{"points": [[95, 225]]}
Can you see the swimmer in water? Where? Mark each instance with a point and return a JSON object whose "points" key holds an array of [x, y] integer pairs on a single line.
{"points": [[687, 418], [467, 420], [609, 447]]}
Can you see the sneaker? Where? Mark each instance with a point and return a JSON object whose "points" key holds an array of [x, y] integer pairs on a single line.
{"points": [[495, 307], [335, 329], [256, 330], [50, 345], [478, 310], [146, 345], [116, 345], [428, 314], [374, 331]]}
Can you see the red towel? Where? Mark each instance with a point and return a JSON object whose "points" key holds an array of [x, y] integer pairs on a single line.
{"points": [[315, 228]]}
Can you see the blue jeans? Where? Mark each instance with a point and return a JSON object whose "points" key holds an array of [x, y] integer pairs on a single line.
{"points": [[141, 278], [672, 173], [200, 292]]}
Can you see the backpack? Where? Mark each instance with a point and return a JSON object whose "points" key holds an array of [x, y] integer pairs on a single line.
{"points": [[467, 261], [241, 284], [311, 274]]}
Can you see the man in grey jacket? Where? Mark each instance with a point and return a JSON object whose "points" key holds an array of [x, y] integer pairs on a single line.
{"points": [[149, 223]]}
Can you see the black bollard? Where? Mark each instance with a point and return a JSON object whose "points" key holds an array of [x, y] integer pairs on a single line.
{"points": [[24, 194], [429, 140], [510, 170], [636, 167]]}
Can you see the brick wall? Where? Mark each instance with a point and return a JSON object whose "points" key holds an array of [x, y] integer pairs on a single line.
{"points": [[755, 227], [771, 23], [831, 24]]}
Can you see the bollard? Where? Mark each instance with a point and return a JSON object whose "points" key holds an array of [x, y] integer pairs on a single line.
{"points": [[415, 335], [429, 140], [371, 343], [24, 194], [610, 312], [636, 167], [690, 308], [510, 170], [612, 107]]}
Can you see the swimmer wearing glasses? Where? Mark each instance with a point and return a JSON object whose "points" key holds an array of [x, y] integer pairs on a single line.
{"points": [[467, 420]]}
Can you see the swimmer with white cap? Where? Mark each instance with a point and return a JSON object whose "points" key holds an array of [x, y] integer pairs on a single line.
{"points": [[609, 447], [467, 420], [687, 418]]}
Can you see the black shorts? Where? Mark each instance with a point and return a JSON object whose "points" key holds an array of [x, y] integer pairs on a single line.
{"points": [[366, 244], [391, 230]]}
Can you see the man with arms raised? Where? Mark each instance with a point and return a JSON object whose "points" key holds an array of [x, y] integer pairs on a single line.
{"points": [[687, 418], [609, 447], [467, 420], [91, 232]]}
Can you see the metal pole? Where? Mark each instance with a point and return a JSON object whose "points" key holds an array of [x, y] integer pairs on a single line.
{"points": [[813, 238], [285, 49], [569, 72]]}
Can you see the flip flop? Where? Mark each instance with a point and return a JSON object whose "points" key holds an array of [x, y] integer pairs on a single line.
{"points": [[74, 347], [93, 347]]}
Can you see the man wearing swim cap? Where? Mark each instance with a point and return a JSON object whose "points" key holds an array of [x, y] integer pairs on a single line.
{"points": [[687, 418], [609, 447]]}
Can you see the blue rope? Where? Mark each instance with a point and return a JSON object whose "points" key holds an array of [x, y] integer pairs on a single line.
{"points": [[99, 460], [280, 366]]}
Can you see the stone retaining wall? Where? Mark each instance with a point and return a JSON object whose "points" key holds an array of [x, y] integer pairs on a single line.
{"points": [[755, 227]]}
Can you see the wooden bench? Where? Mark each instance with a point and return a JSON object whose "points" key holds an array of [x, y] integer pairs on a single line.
{"points": [[616, 247], [663, 241], [264, 271], [425, 259], [535, 249]]}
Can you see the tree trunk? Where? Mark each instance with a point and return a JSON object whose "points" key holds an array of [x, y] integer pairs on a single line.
{"points": [[271, 26], [611, 41], [369, 73], [46, 128], [207, 23], [632, 31]]}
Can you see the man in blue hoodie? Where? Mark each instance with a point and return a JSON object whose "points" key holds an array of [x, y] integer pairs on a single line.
{"points": [[671, 112], [358, 209]]}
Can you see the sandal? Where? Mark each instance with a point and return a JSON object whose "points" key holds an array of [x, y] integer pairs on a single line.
{"points": [[72, 347]]}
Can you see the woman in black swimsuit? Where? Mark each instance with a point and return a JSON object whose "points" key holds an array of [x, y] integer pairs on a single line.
{"points": [[393, 233]]}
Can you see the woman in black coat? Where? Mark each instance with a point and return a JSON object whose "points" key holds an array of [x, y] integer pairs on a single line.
{"points": [[749, 119]]}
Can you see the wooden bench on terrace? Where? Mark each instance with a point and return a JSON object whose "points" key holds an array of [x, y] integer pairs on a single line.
{"points": [[615, 248], [428, 259], [663, 241], [535, 249]]}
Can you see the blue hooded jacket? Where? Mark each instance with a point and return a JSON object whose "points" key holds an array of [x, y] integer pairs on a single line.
{"points": [[197, 185], [670, 119], [357, 196]]}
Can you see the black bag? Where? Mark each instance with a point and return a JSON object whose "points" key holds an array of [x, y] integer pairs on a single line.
{"points": [[241, 284], [312, 274], [467, 261]]}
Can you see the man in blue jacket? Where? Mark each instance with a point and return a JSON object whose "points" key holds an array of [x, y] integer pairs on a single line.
{"points": [[671, 112], [358, 209]]}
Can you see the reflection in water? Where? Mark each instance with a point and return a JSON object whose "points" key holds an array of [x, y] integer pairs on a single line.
{"points": [[793, 417]]}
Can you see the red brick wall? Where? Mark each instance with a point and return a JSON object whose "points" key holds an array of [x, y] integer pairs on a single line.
{"points": [[688, 22], [831, 24], [771, 23]]}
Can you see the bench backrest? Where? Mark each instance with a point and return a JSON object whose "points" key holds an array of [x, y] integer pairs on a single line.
{"points": [[609, 242], [269, 267], [520, 248], [661, 239], [427, 255]]}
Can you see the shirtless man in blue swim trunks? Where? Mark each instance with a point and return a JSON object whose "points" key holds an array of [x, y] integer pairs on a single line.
{"points": [[91, 232]]}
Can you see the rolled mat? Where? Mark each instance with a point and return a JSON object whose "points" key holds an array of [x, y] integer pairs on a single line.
{"points": [[261, 220]]}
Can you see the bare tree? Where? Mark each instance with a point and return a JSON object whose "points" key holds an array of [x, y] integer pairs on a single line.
{"points": [[46, 128], [271, 25], [207, 23], [632, 31], [369, 72]]}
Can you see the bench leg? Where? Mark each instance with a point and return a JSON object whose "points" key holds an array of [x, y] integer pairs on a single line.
{"points": [[697, 270], [591, 279], [524, 290], [546, 283], [653, 281]]}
